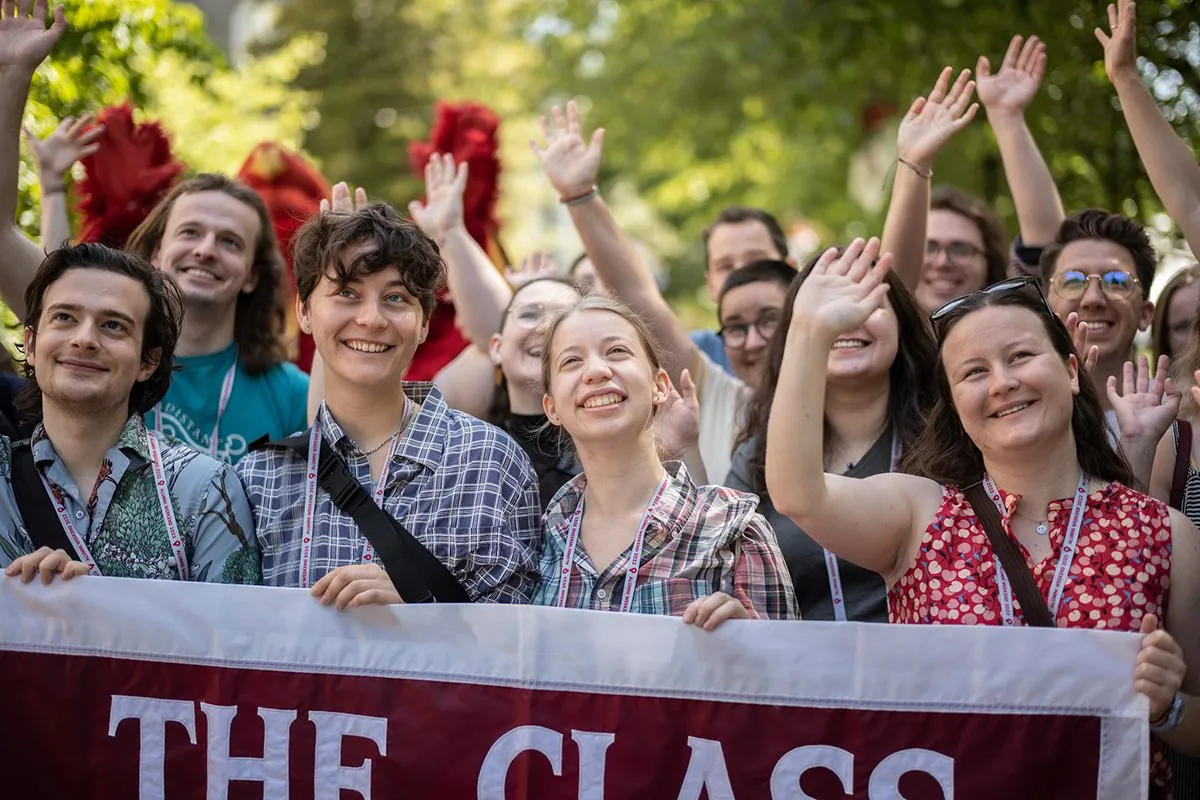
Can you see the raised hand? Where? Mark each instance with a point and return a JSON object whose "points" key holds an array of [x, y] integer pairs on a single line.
{"points": [[1013, 88], [341, 201], [843, 290], [442, 210], [1079, 336], [538, 264], [677, 421], [1145, 407], [570, 164], [1120, 48], [71, 141], [932, 120], [25, 41]]}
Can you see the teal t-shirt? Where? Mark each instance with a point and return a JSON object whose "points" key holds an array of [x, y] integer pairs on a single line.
{"points": [[273, 404]]}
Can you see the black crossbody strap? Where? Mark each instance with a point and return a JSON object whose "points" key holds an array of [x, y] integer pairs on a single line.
{"points": [[35, 505], [1183, 458], [418, 575], [1033, 605]]}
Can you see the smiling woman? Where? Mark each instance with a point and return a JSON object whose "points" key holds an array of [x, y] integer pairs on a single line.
{"points": [[631, 533], [1013, 426]]}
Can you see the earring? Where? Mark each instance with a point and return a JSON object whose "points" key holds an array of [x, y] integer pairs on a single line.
{"points": [[306, 328]]}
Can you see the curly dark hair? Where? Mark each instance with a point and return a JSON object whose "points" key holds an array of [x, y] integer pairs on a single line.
{"points": [[985, 218], [1096, 223], [159, 334], [909, 396], [944, 451], [260, 323], [318, 247]]}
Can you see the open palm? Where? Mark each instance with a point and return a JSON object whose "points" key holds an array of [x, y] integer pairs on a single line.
{"points": [[445, 183], [1145, 408], [932, 120], [569, 163], [1120, 44], [25, 41], [1013, 88], [843, 290]]}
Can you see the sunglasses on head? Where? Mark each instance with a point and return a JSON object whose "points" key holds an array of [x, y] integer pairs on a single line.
{"points": [[938, 318]]}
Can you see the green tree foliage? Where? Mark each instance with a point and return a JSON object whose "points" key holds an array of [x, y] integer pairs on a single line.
{"points": [[763, 101]]}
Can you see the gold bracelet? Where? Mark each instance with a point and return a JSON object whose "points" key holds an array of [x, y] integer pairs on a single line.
{"points": [[924, 173]]}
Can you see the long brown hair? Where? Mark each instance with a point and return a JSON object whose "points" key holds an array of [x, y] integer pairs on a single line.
{"points": [[944, 451], [985, 219], [259, 322], [909, 396], [1160, 334]]}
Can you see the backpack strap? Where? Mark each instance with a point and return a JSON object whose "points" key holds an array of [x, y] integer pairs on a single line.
{"points": [[418, 575], [34, 503], [1183, 458]]}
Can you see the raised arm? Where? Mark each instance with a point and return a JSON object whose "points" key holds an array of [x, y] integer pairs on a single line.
{"points": [[25, 41], [928, 125], [71, 141], [480, 292], [572, 166], [869, 521], [1005, 97], [1172, 167]]}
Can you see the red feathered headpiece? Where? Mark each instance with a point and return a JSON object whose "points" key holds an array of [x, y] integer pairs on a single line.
{"points": [[126, 178], [292, 189], [468, 132]]}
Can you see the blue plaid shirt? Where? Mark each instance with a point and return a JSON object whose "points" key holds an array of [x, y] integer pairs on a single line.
{"points": [[462, 487]]}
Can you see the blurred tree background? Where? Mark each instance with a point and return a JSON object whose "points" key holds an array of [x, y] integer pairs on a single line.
{"points": [[785, 104]]}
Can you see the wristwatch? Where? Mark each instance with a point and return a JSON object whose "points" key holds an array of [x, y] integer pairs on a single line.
{"points": [[1171, 719]]}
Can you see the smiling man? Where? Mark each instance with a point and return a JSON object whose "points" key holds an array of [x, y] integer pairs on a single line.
{"points": [[215, 238], [1101, 266], [94, 491], [466, 492]]}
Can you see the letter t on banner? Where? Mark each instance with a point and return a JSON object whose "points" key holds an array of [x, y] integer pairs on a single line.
{"points": [[330, 776], [271, 770], [153, 713]]}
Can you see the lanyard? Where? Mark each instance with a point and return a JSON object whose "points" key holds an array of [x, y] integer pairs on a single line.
{"points": [[831, 564], [222, 403], [635, 557], [164, 505], [1066, 556], [310, 489]]}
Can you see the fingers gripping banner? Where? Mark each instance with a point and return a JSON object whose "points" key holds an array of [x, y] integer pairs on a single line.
{"points": [[151, 689]]}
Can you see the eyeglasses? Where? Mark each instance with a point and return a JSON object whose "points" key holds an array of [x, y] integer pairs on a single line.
{"points": [[1072, 284], [531, 315], [939, 317], [734, 335], [956, 251]]}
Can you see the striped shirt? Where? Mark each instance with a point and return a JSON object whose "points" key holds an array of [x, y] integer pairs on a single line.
{"points": [[699, 540], [461, 486]]}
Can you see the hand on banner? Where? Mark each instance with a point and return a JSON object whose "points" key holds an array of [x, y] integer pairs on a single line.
{"points": [[341, 201], [570, 164], [1145, 407], [442, 211], [71, 141], [1079, 336], [538, 264], [1160, 667], [931, 121], [677, 421], [709, 612], [842, 291], [47, 563], [356, 585], [1013, 88]]}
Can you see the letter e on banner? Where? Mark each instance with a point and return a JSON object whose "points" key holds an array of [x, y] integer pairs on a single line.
{"points": [[505, 750], [330, 777], [885, 779], [153, 715], [271, 770], [706, 770], [785, 780]]}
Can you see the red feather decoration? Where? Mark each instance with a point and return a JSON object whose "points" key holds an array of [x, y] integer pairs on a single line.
{"points": [[468, 132], [126, 178], [292, 189]]}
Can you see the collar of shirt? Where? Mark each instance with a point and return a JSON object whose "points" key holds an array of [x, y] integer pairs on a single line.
{"points": [[425, 441], [132, 442]]}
